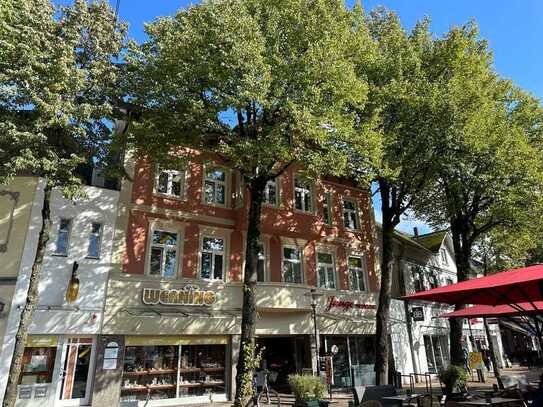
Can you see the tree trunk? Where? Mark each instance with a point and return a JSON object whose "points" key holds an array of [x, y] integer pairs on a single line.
{"points": [[245, 369], [383, 310], [10, 395], [462, 252]]}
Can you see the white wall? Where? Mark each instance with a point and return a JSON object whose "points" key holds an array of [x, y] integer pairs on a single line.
{"points": [[54, 315]]}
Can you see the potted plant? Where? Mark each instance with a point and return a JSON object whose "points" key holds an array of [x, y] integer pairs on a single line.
{"points": [[454, 379], [306, 388]]}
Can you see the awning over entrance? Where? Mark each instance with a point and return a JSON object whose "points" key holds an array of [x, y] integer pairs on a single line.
{"points": [[508, 287], [480, 311]]}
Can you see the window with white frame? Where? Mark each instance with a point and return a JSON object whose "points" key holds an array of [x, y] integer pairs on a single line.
{"points": [[163, 253], [261, 264], [271, 195], [357, 274], [212, 261], [303, 199], [95, 240], [215, 186], [327, 208], [444, 259], [432, 279], [326, 270], [417, 274], [292, 265], [63, 237], [350, 215], [170, 182]]}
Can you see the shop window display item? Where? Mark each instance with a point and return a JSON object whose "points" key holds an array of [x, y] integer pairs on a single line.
{"points": [[38, 365], [173, 371], [150, 369]]}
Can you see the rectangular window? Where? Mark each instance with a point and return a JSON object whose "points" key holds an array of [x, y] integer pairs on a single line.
{"points": [[417, 274], [215, 186], [292, 265], [357, 275], [261, 265], [327, 209], [449, 281], [95, 239], [326, 270], [432, 280], [63, 238], [212, 267], [163, 258], [38, 365], [302, 195], [270, 193], [444, 260], [170, 182], [350, 216]]}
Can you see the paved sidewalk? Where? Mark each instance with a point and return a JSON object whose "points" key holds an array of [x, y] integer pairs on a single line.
{"points": [[342, 399]]}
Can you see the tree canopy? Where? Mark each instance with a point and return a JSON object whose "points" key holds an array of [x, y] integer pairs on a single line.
{"points": [[58, 85]]}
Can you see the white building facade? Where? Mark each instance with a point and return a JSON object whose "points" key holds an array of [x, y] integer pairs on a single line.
{"points": [[59, 358]]}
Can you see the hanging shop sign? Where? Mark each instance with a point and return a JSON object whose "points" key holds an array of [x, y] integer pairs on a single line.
{"points": [[345, 305], [189, 295]]}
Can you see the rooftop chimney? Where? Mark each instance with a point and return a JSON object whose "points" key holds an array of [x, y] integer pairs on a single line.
{"points": [[416, 231]]}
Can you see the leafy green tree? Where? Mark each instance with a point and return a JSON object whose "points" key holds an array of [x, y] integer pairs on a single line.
{"points": [[399, 102], [262, 85], [489, 168], [58, 83]]}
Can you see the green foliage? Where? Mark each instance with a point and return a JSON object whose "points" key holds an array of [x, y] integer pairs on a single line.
{"points": [[306, 387], [262, 84], [488, 134], [58, 84], [453, 377]]}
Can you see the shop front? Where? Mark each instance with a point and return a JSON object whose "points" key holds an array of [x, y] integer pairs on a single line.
{"points": [[178, 340], [57, 371]]}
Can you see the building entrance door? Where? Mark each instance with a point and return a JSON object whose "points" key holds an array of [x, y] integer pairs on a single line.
{"points": [[77, 365]]}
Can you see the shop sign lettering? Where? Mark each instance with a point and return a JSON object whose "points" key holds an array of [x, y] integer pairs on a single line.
{"points": [[189, 295], [345, 305]]}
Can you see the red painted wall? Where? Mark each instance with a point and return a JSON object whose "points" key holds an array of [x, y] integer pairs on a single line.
{"points": [[277, 223]]}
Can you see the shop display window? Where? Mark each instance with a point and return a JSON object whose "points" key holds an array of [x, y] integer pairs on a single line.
{"points": [[38, 364], [171, 371], [150, 369], [202, 370]]}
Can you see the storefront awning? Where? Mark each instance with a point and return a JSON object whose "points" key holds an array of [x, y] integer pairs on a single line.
{"points": [[508, 287], [481, 311]]}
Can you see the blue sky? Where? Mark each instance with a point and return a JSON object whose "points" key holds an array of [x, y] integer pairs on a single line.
{"points": [[512, 28]]}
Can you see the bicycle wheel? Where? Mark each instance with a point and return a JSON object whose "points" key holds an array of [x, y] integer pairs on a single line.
{"points": [[268, 398]]}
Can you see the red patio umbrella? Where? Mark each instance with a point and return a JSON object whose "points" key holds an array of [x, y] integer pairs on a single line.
{"points": [[517, 286], [481, 311]]}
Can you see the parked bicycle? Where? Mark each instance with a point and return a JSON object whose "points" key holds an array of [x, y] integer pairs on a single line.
{"points": [[266, 396]]}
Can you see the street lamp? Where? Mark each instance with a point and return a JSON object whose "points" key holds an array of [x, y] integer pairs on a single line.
{"points": [[314, 297]]}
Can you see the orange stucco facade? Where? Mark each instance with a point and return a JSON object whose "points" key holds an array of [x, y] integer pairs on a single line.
{"points": [[279, 224]]}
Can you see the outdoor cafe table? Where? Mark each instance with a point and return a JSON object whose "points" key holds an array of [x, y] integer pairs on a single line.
{"points": [[494, 401], [401, 398]]}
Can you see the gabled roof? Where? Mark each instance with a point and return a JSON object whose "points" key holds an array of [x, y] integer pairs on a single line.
{"points": [[432, 241], [403, 236]]}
